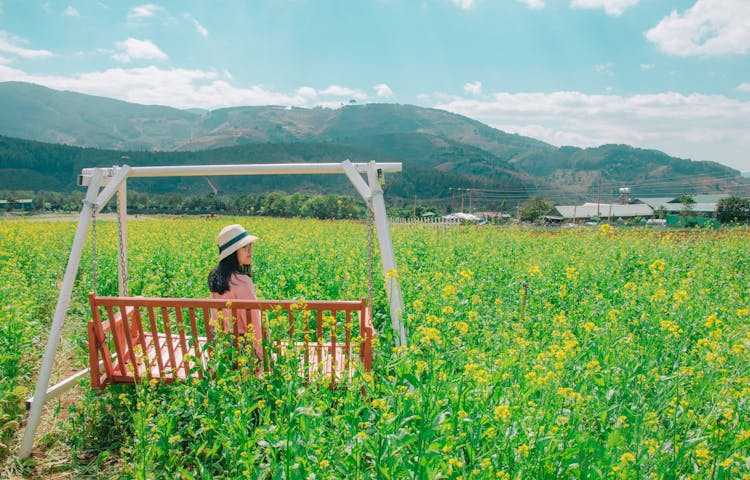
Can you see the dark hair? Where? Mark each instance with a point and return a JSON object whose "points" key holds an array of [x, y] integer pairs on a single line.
{"points": [[218, 279]]}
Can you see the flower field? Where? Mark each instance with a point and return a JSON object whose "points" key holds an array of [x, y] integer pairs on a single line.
{"points": [[584, 353]]}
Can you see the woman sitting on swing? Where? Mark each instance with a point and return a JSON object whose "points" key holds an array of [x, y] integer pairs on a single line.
{"points": [[231, 280]]}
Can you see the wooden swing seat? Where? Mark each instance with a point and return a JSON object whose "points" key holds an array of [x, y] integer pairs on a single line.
{"points": [[171, 339]]}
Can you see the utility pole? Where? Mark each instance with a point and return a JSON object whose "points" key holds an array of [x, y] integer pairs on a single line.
{"points": [[414, 212], [470, 209], [598, 195]]}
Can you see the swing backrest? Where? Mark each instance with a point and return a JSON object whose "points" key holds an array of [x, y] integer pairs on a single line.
{"points": [[169, 339]]}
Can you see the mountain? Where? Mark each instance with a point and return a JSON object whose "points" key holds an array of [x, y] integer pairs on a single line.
{"points": [[39, 113], [439, 149]]}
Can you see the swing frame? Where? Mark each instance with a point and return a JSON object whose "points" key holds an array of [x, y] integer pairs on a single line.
{"points": [[103, 183]]}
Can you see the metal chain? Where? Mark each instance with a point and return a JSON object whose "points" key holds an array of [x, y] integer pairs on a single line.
{"points": [[123, 263], [370, 255], [94, 278]]}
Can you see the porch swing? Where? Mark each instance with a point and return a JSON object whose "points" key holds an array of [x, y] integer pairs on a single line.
{"points": [[170, 339]]}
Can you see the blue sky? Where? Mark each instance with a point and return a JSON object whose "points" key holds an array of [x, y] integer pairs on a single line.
{"points": [[667, 74]]}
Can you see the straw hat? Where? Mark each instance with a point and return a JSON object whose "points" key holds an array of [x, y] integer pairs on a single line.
{"points": [[231, 238]]}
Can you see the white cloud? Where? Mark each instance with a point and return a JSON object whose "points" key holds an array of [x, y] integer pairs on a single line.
{"points": [[611, 7], [473, 88], [144, 11], [606, 69], [709, 27], [10, 44], [696, 126], [133, 49], [200, 28], [533, 4], [647, 66], [464, 4], [183, 88], [743, 87], [71, 12], [308, 93], [202, 31], [383, 91]]}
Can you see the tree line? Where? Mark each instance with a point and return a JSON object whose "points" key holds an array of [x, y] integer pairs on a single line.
{"points": [[276, 204], [732, 209]]}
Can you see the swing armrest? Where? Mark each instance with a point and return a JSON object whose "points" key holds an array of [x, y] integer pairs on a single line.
{"points": [[367, 333]]}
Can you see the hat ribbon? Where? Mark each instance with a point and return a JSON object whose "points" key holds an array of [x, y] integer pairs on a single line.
{"points": [[233, 241]]}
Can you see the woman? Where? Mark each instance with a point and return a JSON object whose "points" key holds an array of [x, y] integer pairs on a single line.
{"points": [[231, 280]]}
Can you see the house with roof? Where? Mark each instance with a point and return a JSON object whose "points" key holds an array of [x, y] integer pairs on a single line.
{"points": [[609, 211], [705, 205]]}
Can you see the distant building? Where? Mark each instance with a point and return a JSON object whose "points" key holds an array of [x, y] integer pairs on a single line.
{"points": [[611, 211], [462, 217], [704, 205], [494, 217], [20, 204]]}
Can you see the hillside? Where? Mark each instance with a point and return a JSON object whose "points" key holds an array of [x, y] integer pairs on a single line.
{"points": [[33, 166], [439, 149]]}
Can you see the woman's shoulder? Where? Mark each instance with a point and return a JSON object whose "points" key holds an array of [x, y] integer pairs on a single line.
{"points": [[241, 278]]}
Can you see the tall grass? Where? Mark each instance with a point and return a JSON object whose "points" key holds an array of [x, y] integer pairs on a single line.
{"points": [[569, 354]]}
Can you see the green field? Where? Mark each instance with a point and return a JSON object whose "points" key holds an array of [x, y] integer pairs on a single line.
{"points": [[584, 353]]}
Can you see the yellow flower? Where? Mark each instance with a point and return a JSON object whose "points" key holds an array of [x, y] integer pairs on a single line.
{"points": [[680, 296], [593, 366], [657, 267], [703, 454], [449, 291], [429, 335], [379, 403], [627, 457], [462, 327], [523, 450], [502, 412], [571, 273], [466, 274]]}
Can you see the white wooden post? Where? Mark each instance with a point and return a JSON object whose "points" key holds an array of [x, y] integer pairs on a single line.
{"points": [[373, 197], [63, 301], [392, 287]]}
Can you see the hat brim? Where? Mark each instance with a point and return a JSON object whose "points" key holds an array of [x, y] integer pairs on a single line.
{"points": [[241, 243]]}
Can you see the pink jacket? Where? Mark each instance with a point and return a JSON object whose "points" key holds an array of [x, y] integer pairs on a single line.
{"points": [[240, 288]]}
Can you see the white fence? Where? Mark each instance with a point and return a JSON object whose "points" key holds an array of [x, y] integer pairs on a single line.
{"points": [[430, 221]]}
